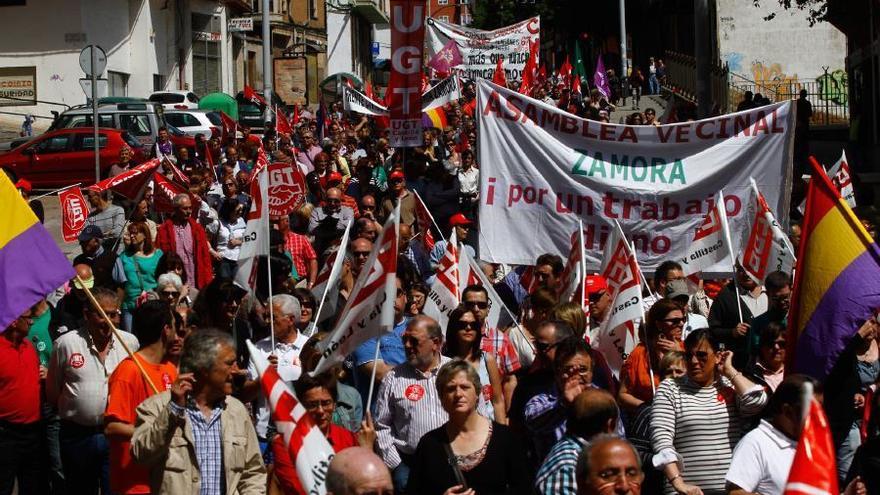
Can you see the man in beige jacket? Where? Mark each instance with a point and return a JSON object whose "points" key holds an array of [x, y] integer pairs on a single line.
{"points": [[197, 438]]}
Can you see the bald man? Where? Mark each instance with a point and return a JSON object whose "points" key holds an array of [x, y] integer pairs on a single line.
{"points": [[68, 313], [357, 470], [592, 413], [609, 464], [328, 222]]}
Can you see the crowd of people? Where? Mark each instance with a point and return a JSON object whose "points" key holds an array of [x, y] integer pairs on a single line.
{"points": [[701, 405]]}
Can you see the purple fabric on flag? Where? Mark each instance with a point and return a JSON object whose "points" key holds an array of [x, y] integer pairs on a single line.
{"points": [[31, 267], [600, 79], [447, 58], [843, 308]]}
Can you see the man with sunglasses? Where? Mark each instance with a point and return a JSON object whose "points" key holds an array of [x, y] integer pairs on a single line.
{"points": [[724, 317], [398, 193], [328, 222], [462, 226], [77, 384], [778, 287]]}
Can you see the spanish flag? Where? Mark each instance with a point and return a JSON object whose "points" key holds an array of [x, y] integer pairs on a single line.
{"points": [[837, 280], [31, 264]]}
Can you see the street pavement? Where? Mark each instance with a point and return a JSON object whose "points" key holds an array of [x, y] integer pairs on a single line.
{"points": [[618, 115]]}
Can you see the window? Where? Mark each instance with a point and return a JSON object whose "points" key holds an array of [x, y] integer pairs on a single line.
{"points": [[136, 124], [167, 98], [86, 142], [118, 83], [313, 9], [205, 53], [466, 19], [70, 121], [158, 82], [182, 120], [54, 144], [215, 118], [442, 2], [192, 98], [444, 18]]}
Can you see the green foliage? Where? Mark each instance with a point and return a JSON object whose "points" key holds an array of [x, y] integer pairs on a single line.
{"points": [[817, 9], [493, 14]]}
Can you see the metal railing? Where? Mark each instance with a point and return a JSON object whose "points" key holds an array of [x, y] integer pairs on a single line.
{"points": [[681, 80], [829, 94]]}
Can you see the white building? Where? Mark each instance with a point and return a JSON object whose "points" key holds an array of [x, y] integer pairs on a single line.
{"points": [[351, 28], [150, 44]]}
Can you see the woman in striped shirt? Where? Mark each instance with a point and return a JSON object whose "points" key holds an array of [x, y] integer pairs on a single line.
{"points": [[699, 418]]}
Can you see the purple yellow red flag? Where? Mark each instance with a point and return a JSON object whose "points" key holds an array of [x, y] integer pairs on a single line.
{"points": [[837, 280], [31, 265]]}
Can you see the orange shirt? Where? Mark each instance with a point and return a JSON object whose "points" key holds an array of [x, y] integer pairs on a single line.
{"points": [[636, 376], [127, 389]]}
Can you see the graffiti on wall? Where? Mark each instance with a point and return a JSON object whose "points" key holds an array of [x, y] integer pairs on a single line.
{"points": [[733, 61], [772, 78], [833, 87]]}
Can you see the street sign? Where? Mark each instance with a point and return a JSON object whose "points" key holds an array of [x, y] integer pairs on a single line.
{"points": [[374, 49], [103, 88], [85, 60], [240, 24]]}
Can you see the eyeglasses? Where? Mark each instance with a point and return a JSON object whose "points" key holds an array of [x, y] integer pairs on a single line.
{"points": [[702, 356], [360, 254], [594, 297], [544, 347], [674, 321], [478, 304], [410, 340], [570, 371], [368, 207], [323, 404], [776, 343], [170, 293], [467, 325]]}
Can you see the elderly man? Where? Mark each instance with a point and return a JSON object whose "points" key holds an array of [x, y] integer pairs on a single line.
{"points": [[183, 235], [289, 343], [328, 222], [609, 464], [408, 404], [593, 412], [106, 216], [197, 438], [77, 384], [357, 470]]}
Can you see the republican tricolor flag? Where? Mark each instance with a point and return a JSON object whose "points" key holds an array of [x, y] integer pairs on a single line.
{"points": [[308, 447]]}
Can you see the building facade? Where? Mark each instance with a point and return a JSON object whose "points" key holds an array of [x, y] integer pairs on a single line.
{"points": [[353, 26]]}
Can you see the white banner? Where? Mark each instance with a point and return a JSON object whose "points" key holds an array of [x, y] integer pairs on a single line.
{"points": [[765, 248], [444, 294], [443, 92], [326, 288], [256, 238], [840, 175], [542, 168], [480, 50], [355, 101]]}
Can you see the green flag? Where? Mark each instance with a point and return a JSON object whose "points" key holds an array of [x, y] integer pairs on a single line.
{"points": [[579, 68]]}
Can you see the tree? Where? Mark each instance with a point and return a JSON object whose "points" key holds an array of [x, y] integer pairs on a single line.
{"points": [[817, 9]]}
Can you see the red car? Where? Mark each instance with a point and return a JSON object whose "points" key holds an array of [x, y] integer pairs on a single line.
{"points": [[66, 156]]}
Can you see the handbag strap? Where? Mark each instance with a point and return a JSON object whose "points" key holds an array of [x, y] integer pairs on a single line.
{"points": [[453, 462]]}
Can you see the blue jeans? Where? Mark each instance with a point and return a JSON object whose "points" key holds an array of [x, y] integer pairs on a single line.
{"points": [[847, 450], [85, 455], [653, 85], [400, 476]]}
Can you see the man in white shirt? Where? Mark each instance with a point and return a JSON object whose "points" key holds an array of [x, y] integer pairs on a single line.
{"points": [[763, 458], [77, 383], [289, 343]]}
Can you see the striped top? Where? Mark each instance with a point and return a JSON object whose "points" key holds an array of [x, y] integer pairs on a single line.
{"points": [[699, 427]]}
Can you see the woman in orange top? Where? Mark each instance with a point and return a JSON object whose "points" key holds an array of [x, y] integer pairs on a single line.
{"points": [[663, 328]]}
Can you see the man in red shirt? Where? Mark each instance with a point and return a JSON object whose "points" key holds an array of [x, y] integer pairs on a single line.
{"points": [[301, 252], [22, 433], [153, 325], [181, 234]]}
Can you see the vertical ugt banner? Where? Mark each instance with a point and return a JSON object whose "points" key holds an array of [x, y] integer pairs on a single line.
{"points": [[407, 39]]}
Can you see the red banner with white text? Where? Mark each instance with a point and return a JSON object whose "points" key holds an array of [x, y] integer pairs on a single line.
{"points": [[74, 211], [407, 40]]}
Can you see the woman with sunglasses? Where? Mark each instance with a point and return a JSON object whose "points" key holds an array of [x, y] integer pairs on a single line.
{"points": [[136, 269], [640, 374], [463, 339], [698, 419]]}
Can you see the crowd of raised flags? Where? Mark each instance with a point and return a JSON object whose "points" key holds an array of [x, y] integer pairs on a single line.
{"points": [[836, 266]]}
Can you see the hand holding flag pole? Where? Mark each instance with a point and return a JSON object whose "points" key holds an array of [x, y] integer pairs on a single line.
{"points": [[722, 217]]}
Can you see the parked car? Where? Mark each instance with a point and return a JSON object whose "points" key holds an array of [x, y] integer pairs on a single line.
{"points": [[251, 115], [195, 122], [66, 156], [141, 119], [176, 100]]}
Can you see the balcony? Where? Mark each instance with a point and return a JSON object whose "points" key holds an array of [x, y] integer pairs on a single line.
{"points": [[371, 10]]}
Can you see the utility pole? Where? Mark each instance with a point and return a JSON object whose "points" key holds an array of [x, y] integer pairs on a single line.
{"points": [[267, 60], [702, 56], [623, 61]]}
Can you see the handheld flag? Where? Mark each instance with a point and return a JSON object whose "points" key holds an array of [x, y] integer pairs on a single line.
{"points": [[710, 244], [498, 76], [814, 469], [369, 311], [257, 243], [164, 192], [129, 183], [448, 57], [230, 126], [282, 125], [573, 274], [841, 177], [308, 447], [530, 71], [326, 288], [74, 211], [576, 87], [30, 261], [444, 294], [600, 79], [766, 247], [837, 281], [564, 79], [425, 220], [579, 68], [253, 96]]}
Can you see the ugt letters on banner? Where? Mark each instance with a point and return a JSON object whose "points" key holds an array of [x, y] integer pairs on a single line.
{"points": [[407, 38], [543, 169]]}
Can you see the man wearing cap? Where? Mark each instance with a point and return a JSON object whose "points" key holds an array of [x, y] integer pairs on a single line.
{"points": [[398, 193], [462, 227], [677, 290], [93, 254], [105, 215], [596, 290], [24, 187], [328, 222], [334, 179]]}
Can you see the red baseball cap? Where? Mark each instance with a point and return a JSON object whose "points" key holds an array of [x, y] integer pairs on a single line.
{"points": [[24, 184], [459, 219], [397, 174], [334, 177], [595, 283]]}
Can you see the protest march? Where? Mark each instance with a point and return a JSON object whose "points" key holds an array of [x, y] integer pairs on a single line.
{"points": [[472, 283]]}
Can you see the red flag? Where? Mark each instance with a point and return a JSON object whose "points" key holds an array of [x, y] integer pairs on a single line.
{"points": [[308, 447], [542, 75], [564, 74], [426, 83], [444, 292], [498, 77], [814, 469], [425, 221], [469, 107], [368, 90], [74, 211], [164, 191], [530, 71], [282, 125], [576, 86], [229, 125], [295, 119], [253, 96], [262, 163], [130, 182], [176, 173]]}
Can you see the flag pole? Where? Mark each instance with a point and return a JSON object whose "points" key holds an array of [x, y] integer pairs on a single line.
{"points": [[632, 247], [269, 259], [583, 264], [341, 252], [722, 217], [116, 333], [55, 191], [430, 215]]}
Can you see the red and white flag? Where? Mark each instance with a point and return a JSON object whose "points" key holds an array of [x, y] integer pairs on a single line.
{"points": [[425, 221], [445, 294], [565, 70], [129, 183], [498, 76], [253, 96], [177, 175], [470, 273], [616, 337], [575, 268], [164, 191], [369, 311], [282, 125], [766, 247], [576, 86], [711, 242], [814, 469], [74, 211], [229, 125], [308, 447], [262, 163], [256, 242], [530, 71], [841, 177], [326, 288]]}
